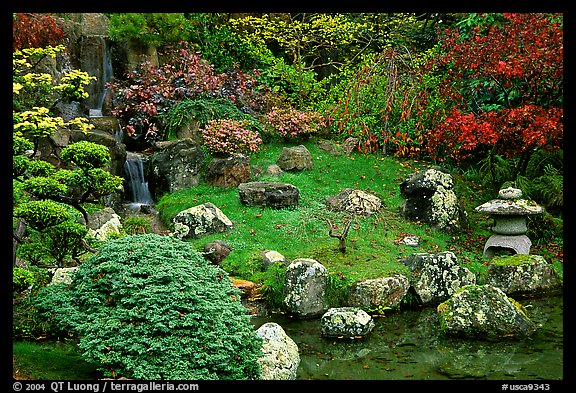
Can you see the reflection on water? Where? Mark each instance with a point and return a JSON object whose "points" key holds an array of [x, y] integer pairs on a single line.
{"points": [[408, 345]]}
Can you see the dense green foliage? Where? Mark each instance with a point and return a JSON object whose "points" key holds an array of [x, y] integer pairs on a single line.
{"points": [[150, 307]]}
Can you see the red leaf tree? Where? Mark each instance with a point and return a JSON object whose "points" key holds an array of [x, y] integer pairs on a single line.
{"points": [[505, 81], [35, 31]]}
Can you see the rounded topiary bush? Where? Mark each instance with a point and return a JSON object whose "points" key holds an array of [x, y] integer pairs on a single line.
{"points": [[151, 307]]}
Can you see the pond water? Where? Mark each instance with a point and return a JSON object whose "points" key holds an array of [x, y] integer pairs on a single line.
{"points": [[408, 345]]}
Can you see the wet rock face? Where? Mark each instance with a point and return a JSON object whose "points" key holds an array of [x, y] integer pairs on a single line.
{"points": [[429, 196], [346, 322], [484, 312], [305, 288], [175, 167]]}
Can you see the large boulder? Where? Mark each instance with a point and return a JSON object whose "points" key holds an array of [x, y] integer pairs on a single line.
{"points": [[429, 197], [379, 294], [436, 276], [199, 221], [175, 166], [346, 322], [295, 159], [485, 312], [305, 288], [228, 171], [523, 274], [275, 195], [280, 359], [354, 201]]}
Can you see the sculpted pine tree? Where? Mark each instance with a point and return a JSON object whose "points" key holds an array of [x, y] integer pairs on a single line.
{"points": [[43, 193]]}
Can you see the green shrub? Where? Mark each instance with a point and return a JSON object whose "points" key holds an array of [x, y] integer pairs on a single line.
{"points": [[25, 320], [150, 307], [21, 279]]}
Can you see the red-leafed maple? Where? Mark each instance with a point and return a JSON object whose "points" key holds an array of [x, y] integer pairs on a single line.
{"points": [[35, 31], [506, 84]]}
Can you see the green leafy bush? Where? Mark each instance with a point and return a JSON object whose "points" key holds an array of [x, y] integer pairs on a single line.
{"points": [[21, 279], [150, 307]]}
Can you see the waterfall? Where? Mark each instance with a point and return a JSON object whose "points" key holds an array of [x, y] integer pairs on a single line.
{"points": [[119, 134], [95, 59], [137, 183]]}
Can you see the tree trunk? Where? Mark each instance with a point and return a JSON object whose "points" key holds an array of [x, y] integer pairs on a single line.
{"points": [[17, 238]]}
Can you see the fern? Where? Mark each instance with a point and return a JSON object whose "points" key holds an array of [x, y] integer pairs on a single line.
{"points": [[550, 187], [201, 110]]}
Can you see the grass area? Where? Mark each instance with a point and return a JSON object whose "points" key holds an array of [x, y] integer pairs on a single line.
{"points": [[50, 361], [373, 248]]}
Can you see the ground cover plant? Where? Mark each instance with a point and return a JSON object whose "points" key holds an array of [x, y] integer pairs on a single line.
{"points": [[150, 307]]}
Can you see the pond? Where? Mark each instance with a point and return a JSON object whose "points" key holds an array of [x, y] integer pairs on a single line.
{"points": [[408, 345]]}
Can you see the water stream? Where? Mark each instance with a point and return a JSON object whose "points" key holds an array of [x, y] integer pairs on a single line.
{"points": [[408, 345], [135, 176]]}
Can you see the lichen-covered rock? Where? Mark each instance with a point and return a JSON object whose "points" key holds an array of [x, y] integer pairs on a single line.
{"points": [[485, 312], [429, 196], [305, 288], [199, 221], [280, 358], [509, 207], [354, 201], [522, 274], [379, 294], [63, 275], [346, 322], [436, 276]]}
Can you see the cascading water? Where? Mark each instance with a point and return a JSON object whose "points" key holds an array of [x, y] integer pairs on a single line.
{"points": [[97, 62], [135, 176]]}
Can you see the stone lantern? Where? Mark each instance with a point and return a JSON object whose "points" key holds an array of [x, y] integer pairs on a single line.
{"points": [[510, 214]]}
